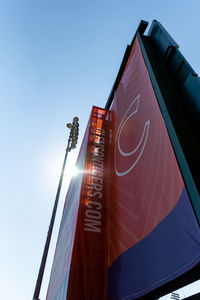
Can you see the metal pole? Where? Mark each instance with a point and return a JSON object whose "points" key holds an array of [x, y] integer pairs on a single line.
{"points": [[49, 233], [72, 141]]}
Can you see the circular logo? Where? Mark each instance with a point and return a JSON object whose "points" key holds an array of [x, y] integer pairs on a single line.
{"points": [[136, 153]]}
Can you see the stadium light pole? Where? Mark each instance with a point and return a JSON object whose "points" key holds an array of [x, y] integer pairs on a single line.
{"points": [[72, 141]]}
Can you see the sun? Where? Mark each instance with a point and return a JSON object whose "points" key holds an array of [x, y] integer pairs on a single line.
{"points": [[75, 171]]}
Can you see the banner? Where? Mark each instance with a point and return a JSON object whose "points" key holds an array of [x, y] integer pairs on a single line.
{"points": [[152, 230], [127, 226], [88, 265], [79, 267]]}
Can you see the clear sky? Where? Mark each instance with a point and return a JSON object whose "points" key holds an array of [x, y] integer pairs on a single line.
{"points": [[57, 59]]}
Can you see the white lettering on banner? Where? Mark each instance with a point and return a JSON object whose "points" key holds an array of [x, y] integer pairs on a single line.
{"points": [[92, 225], [95, 203], [93, 213], [136, 153]]}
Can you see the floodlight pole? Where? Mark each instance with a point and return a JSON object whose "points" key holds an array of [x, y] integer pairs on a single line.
{"points": [[72, 141]]}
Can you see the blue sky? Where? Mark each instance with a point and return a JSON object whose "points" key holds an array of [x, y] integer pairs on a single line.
{"points": [[57, 59]]}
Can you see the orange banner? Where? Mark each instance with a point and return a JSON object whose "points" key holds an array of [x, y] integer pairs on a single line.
{"points": [[87, 279]]}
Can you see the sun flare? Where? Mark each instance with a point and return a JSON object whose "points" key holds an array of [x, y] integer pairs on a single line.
{"points": [[75, 171]]}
